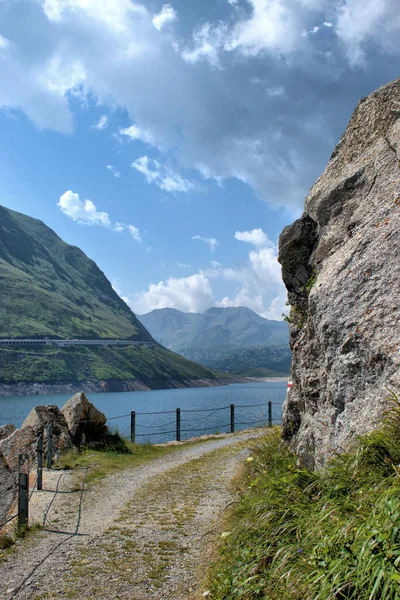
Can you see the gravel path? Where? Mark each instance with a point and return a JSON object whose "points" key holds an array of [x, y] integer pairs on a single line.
{"points": [[139, 534]]}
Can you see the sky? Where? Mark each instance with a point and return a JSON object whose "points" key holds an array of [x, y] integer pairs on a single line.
{"points": [[173, 142]]}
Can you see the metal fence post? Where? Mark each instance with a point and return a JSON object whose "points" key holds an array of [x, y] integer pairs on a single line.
{"points": [[133, 426], [178, 424], [40, 463], [49, 444], [232, 418], [23, 492], [269, 414]]}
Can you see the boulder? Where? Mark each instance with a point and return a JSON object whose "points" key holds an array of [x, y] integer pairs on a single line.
{"points": [[8, 487], [85, 423], [6, 430], [340, 264], [38, 421], [21, 441]]}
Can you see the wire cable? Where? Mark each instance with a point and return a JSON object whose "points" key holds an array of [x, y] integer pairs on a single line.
{"points": [[155, 426], [205, 428], [9, 520], [204, 409], [252, 405], [156, 433], [202, 418]]}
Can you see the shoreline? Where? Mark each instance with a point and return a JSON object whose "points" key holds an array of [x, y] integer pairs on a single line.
{"points": [[117, 385], [269, 379]]}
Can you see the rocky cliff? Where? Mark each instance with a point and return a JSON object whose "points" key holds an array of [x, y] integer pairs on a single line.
{"points": [[341, 266]]}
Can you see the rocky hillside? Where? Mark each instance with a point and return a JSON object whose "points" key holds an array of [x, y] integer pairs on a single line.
{"points": [[340, 263], [217, 336], [50, 289]]}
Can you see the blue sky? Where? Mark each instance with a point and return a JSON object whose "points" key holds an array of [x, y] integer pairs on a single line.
{"points": [[173, 142]]}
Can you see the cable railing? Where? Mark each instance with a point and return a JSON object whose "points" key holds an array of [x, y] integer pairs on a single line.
{"points": [[197, 421], [185, 425]]}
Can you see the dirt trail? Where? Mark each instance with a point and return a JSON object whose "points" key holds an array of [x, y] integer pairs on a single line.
{"points": [[140, 534]]}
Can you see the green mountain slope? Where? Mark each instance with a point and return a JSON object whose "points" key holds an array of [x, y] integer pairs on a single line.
{"points": [[49, 289], [228, 339], [52, 289], [261, 361]]}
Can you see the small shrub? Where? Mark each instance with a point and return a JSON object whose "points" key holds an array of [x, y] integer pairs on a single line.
{"points": [[5, 542]]}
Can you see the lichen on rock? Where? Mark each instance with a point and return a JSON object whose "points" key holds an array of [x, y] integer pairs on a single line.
{"points": [[341, 266]]}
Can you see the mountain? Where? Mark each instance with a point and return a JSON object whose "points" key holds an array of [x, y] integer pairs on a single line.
{"points": [[259, 361], [50, 289], [239, 327], [218, 337]]}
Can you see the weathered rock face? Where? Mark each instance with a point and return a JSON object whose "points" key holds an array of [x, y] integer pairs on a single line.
{"points": [[8, 487], [38, 421], [341, 266], [6, 430], [85, 422]]}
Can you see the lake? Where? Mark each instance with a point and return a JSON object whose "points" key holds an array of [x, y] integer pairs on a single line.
{"points": [[203, 410]]}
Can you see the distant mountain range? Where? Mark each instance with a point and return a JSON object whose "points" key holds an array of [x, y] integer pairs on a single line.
{"points": [[49, 289], [228, 339]]}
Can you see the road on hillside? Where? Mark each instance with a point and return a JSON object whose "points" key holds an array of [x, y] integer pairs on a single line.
{"points": [[61, 343]]}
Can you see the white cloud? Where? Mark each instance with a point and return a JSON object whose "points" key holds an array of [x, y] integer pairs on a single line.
{"points": [[82, 211], [189, 294], [136, 133], [207, 42], [272, 26], [101, 124], [212, 243], [3, 42], [85, 212], [167, 15], [256, 237], [135, 233], [110, 52], [316, 28], [166, 178], [114, 171], [257, 284], [276, 91], [363, 21]]}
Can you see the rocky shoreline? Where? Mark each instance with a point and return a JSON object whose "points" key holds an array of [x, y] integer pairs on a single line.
{"points": [[117, 385]]}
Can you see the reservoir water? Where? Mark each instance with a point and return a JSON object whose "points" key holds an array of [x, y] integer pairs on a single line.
{"points": [[203, 410]]}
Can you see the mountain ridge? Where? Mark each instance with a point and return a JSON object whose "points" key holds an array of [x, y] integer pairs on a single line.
{"points": [[50, 289], [218, 337]]}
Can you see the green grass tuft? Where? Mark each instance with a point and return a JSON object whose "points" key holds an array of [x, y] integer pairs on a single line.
{"points": [[334, 534]]}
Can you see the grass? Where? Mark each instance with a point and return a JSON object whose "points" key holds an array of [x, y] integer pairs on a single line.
{"points": [[154, 365], [51, 289], [102, 463], [119, 454], [7, 542], [334, 534], [153, 532]]}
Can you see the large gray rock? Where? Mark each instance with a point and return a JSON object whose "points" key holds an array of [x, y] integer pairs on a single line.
{"points": [[85, 423], [341, 266], [6, 430], [8, 487], [38, 421]]}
